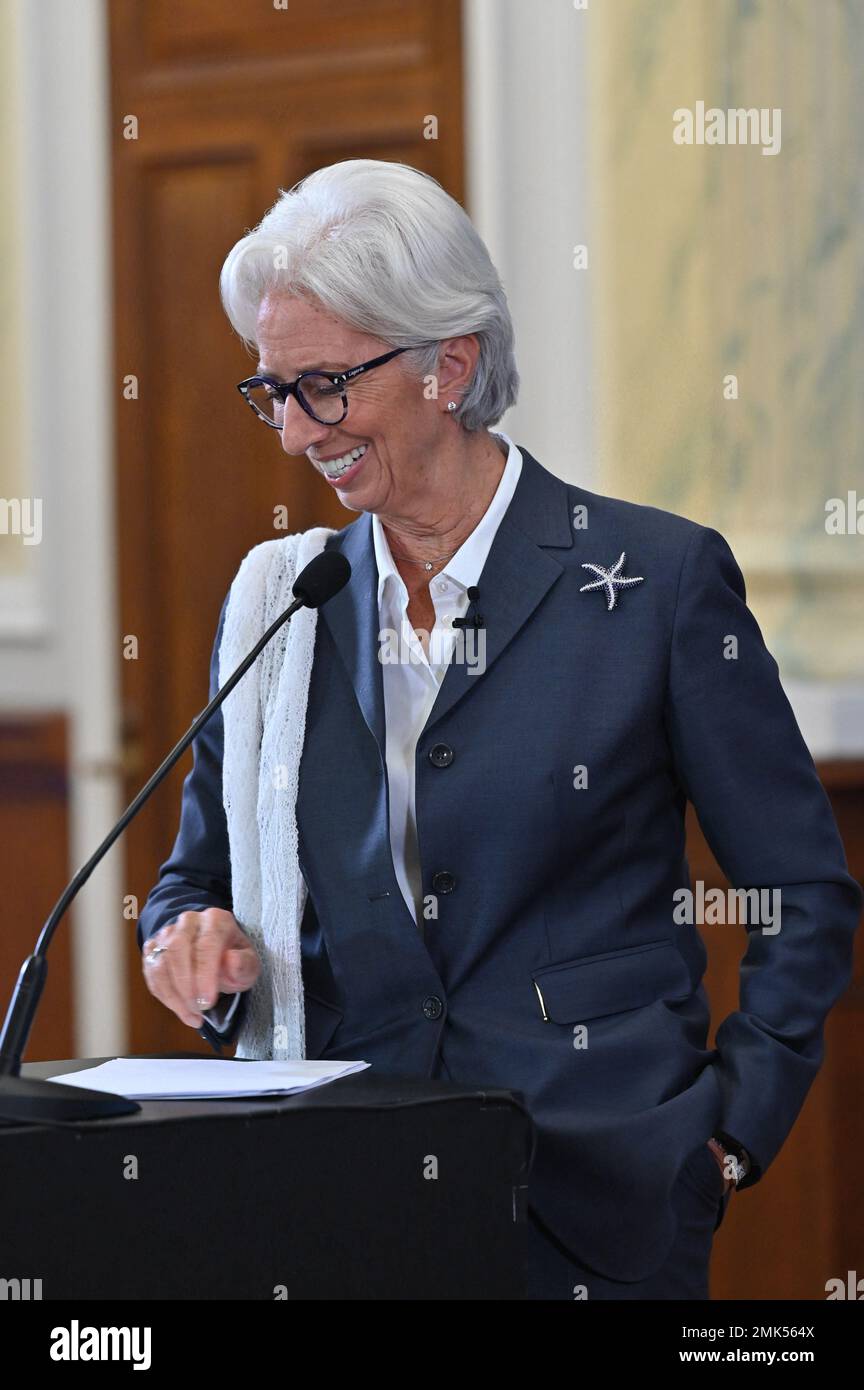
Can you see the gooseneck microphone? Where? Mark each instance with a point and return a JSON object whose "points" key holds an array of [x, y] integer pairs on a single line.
{"points": [[28, 1098]]}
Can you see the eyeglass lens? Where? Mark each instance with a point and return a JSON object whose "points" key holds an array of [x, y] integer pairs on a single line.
{"points": [[323, 398]]}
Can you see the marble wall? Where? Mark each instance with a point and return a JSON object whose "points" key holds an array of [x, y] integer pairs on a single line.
{"points": [[716, 262]]}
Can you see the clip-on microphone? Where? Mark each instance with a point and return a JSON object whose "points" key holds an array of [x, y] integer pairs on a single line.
{"points": [[468, 621]]}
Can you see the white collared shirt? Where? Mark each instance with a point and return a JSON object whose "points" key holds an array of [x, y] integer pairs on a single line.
{"points": [[411, 686]]}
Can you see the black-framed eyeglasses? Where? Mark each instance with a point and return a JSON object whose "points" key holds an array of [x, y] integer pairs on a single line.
{"points": [[321, 394]]}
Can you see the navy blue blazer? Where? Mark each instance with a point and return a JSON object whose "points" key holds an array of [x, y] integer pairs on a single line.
{"points": [[553, 964]]}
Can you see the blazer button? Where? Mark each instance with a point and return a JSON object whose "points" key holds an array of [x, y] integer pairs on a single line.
{"points": [[441, 755], [443, 882], [432, 1006]]}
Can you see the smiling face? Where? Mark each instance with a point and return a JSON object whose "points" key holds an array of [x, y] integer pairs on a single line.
{"points": [[388, 416]]}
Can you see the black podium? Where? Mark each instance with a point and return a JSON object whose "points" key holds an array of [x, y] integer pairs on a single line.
{"points": [[371, 1187]]}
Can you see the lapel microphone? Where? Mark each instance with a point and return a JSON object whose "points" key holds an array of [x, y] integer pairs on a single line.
{"points": [[475, 621]]}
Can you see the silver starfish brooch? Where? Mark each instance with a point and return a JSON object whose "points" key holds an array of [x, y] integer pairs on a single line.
{"points": [[610, 580]]}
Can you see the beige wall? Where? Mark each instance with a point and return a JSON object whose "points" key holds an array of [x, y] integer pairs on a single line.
{"points": [[13, 472], [60, 629]]}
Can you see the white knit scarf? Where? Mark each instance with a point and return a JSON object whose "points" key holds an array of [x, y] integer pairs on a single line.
{"points": [[264, 719]]}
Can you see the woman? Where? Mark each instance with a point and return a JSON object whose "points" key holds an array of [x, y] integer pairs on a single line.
{"points": [[495, 861]]}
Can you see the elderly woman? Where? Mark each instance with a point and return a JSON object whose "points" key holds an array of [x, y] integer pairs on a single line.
{"points": [[490, 832]]}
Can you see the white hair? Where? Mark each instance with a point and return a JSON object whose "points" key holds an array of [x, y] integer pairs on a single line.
{"points": [[385, 248]]}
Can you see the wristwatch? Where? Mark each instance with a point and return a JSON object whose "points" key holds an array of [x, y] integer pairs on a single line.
{"points": [[729, 1148]]}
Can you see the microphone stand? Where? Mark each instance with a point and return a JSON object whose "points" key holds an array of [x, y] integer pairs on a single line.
{"points": [[29, 1099]]}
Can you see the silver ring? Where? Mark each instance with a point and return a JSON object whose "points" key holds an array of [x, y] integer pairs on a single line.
{"points": [[151, 956]]}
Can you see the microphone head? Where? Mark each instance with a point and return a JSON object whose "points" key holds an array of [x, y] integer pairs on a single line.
{"points": [[322, 578]]}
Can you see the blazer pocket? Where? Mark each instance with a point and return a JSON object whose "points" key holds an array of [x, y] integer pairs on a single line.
{"points": [[321, 1021], [612, 983]]}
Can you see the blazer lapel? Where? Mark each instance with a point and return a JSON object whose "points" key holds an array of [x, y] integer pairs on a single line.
{"points": [[352, 617], [518, 573]]}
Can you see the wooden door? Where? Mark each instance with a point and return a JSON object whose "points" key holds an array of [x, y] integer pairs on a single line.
{"points": [[215, 108]]}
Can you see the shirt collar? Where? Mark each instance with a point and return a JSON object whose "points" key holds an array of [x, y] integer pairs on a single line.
{"points": [[465, 567]]}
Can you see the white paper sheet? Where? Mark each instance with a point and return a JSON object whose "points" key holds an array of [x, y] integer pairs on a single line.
{"points": [[204, 1078]]}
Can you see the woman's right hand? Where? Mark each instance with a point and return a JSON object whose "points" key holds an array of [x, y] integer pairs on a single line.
{"points": [[206, 954]]}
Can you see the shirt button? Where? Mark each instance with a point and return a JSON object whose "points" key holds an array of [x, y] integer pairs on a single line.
{"points": [[441, 755], [443, 882], [432, 1006], [442, 586]]}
